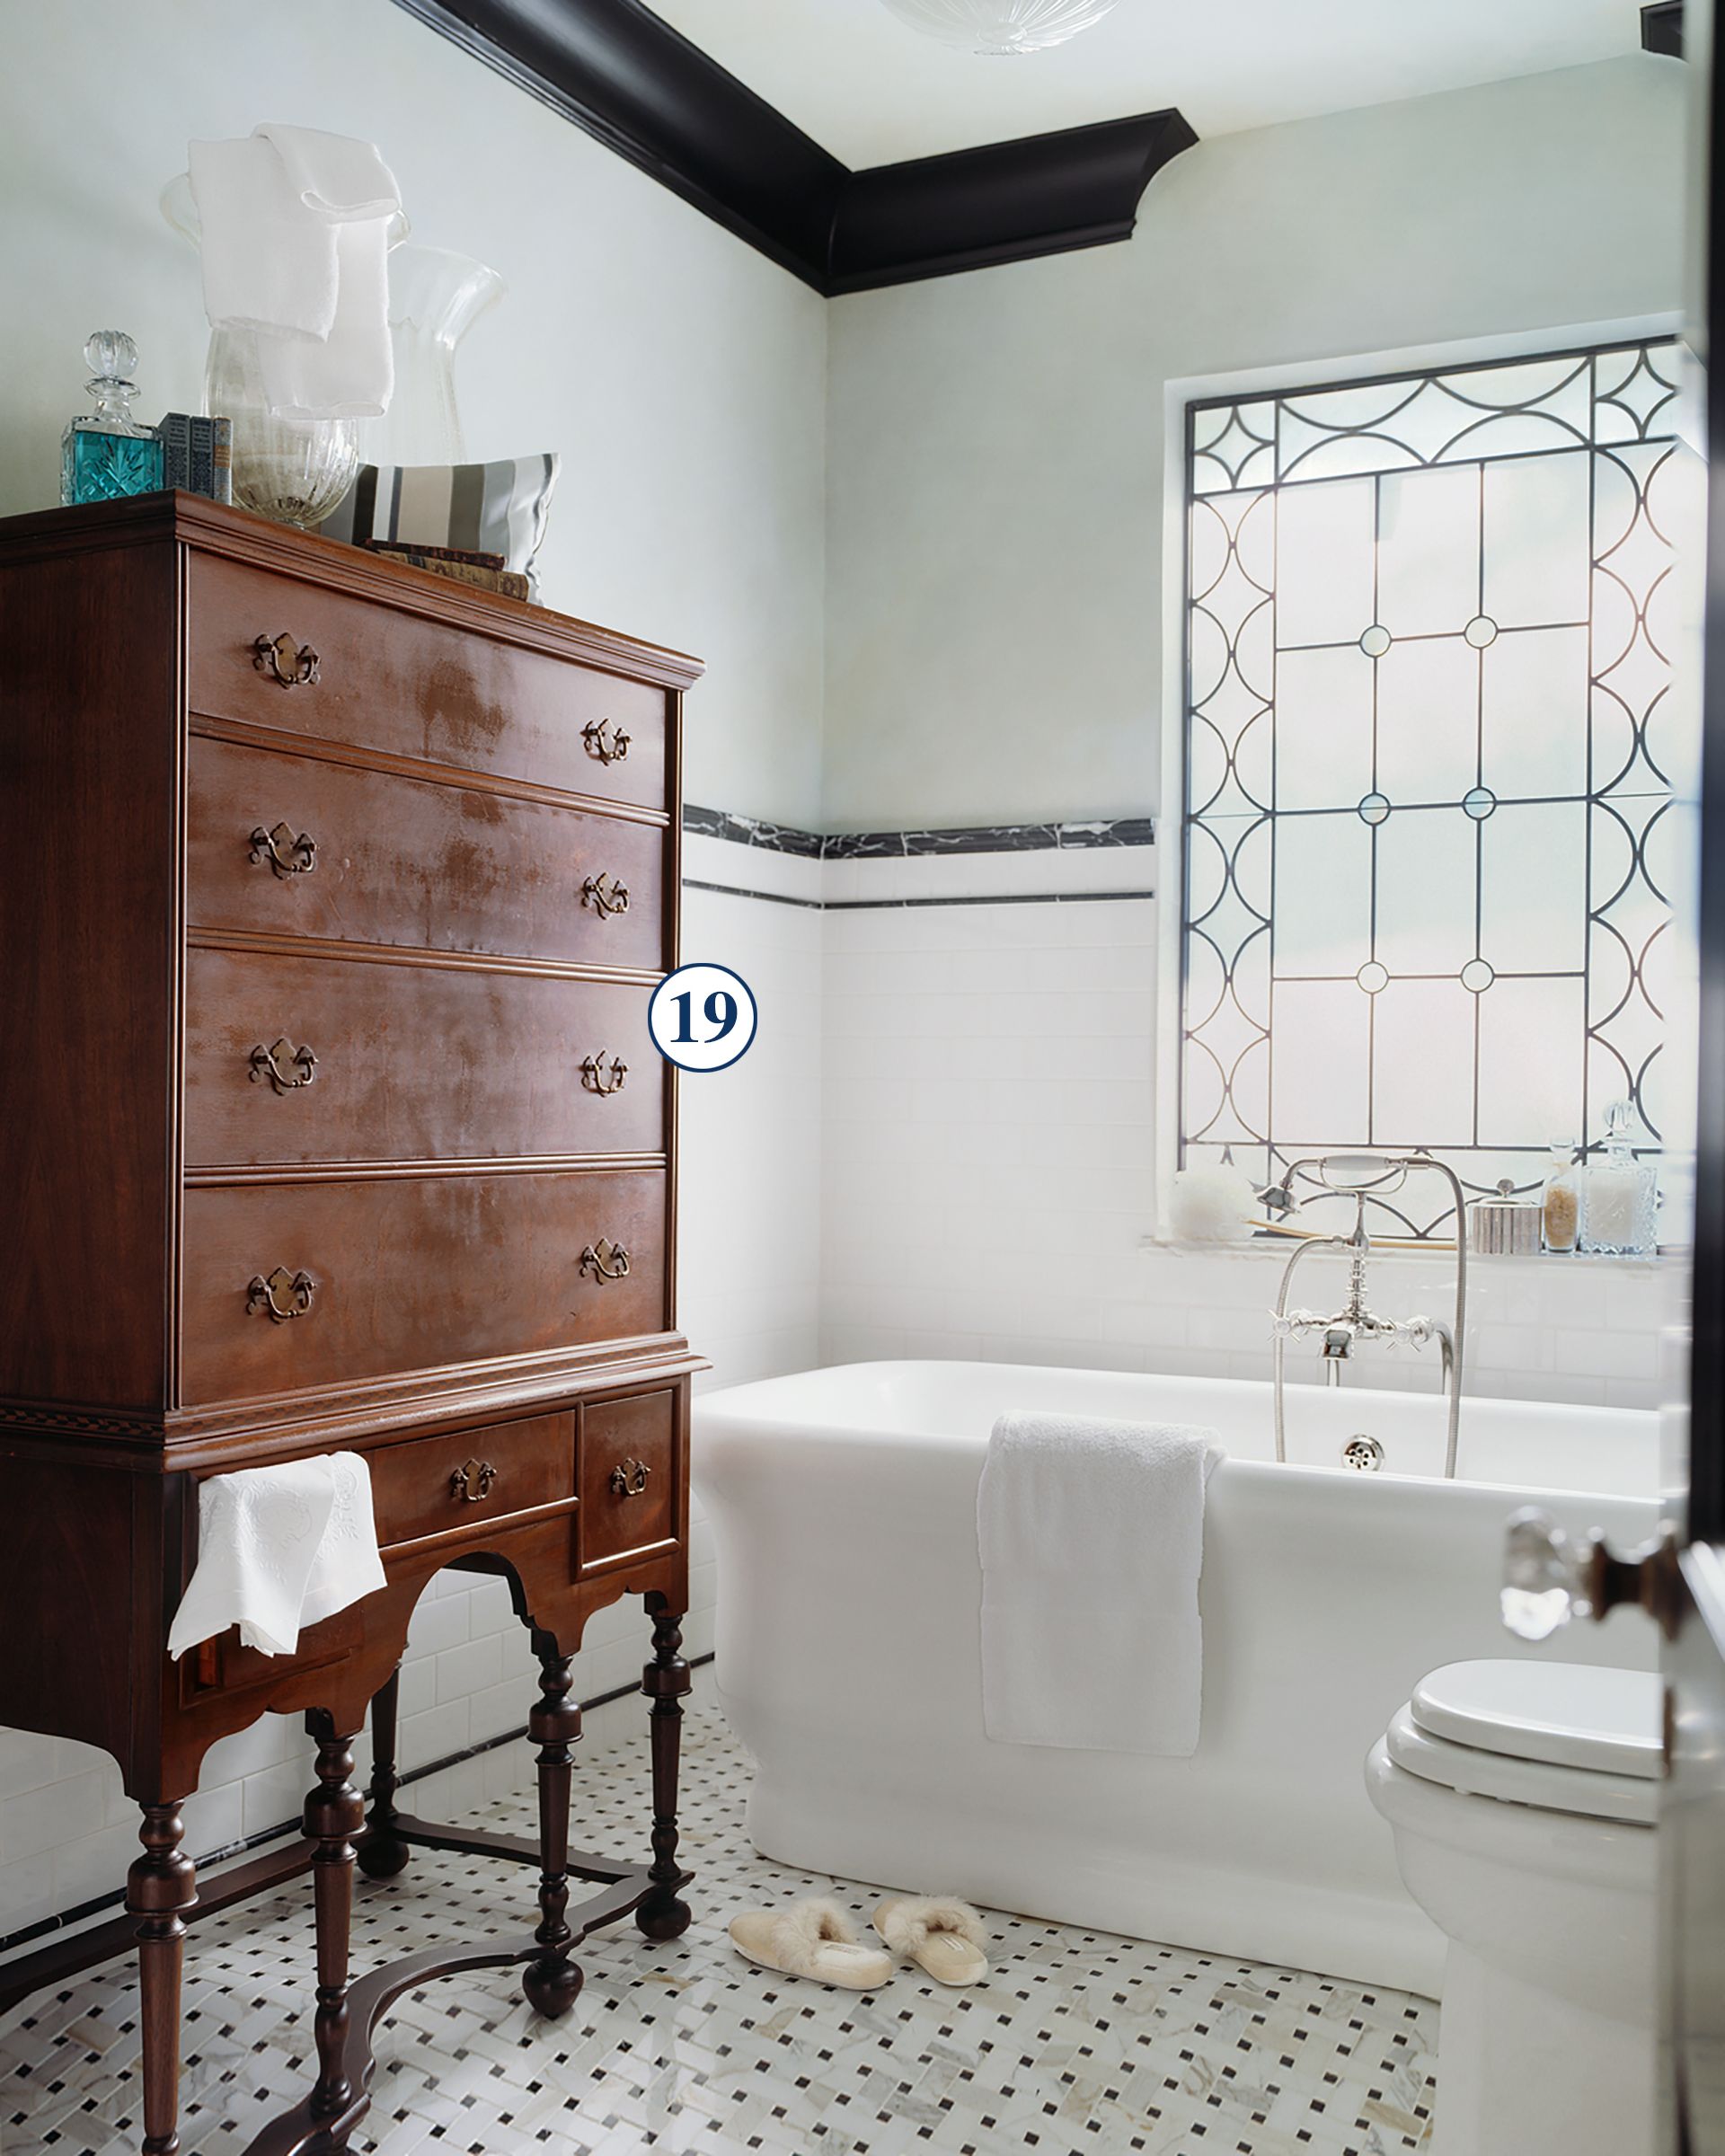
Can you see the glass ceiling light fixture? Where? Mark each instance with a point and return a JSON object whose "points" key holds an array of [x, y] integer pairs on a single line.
{"points": [[1001, 26]]}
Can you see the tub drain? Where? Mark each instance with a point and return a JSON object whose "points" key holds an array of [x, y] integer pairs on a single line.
{"points": [[1363, 1452]]}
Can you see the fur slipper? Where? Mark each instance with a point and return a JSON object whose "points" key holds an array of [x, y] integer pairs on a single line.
{"points": [[810, 1939], [945, 1936]]}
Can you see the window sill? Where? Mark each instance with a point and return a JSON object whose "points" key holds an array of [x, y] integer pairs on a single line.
{"points": [[1261, 1249]]}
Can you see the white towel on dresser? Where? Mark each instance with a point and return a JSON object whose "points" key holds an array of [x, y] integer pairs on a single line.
{"points": [[278, 1548], [294, 231], [351, 373], [1091, 1539], [269, 259]]}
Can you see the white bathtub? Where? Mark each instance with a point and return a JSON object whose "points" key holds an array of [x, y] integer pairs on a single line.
{"points": [[844, 1505]]}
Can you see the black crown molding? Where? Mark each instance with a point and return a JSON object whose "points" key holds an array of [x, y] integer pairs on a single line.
{"points": [[1662, 28], [626, 77], [1006, 202]]}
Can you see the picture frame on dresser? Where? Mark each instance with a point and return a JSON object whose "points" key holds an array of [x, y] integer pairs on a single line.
{"points": [[291, 838]]}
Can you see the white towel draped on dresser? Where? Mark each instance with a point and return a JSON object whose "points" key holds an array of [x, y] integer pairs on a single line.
{"points": [[279, 1549]]}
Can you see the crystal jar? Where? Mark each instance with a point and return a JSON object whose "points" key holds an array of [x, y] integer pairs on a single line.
{"points": [[1620, 1196], [107, 454]]}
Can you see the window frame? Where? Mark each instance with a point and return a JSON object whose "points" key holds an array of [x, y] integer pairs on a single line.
{"points": [[1183, 398]]}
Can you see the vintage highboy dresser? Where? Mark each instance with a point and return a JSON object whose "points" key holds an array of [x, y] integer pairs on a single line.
{"points": [[334, 896]]}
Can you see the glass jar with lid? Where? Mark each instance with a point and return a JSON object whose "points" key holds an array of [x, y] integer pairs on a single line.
{"points": [[1560, 1202], [1619, 1195]]}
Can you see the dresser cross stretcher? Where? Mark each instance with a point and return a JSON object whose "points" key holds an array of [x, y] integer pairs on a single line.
{"points": [[334, 895]]}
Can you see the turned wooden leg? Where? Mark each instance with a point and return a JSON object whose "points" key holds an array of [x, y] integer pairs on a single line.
{"points": [[334, 1814], [553, 1982], [665, 1680], [160, 1883], [381, 1854]]}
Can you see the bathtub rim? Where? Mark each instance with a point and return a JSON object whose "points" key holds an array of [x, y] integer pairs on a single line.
{"points": [[751, 1407]]}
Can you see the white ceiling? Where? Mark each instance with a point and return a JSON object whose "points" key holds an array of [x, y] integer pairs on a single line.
{"points": [[872, 89]]}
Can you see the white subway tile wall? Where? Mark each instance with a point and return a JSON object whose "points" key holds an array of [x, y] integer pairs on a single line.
{"points": [[989, 1182], [941, 1144], [748, 1224], [748, 1291]]}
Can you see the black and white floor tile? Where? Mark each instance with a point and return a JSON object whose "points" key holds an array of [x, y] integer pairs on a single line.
{"points": [[1079, 2041]]}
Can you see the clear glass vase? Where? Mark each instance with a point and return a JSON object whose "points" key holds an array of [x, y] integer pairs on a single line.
{"points": [[435, 298], [294, 470]]}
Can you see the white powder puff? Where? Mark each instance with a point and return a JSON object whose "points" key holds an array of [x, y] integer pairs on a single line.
{"points": [[1211, 1204]]}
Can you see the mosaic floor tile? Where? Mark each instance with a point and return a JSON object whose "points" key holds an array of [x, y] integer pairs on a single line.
{"points": [[1079, 2042]]}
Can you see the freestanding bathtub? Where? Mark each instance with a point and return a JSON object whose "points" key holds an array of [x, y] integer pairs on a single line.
{"points": [[844, 1507]]}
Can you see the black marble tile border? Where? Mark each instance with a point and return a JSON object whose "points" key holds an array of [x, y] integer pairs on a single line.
{"points": [[753, 831], [864, 905], [875, 845]]}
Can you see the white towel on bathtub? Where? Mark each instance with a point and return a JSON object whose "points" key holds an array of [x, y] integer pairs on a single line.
{"points": [[1092, 1538]]}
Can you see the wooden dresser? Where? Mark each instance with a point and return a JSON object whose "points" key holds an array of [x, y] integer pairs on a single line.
{"points": [[334, 896]]}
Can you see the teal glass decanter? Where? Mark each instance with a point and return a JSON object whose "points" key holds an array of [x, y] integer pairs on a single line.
{"points": [[107, 453]]}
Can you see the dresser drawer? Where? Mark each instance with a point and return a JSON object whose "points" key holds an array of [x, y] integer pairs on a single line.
{"points": [[630, 1498], [225, 1664], [364, 857], [391, 681], [450, 1485], [403, 1272], [344, 1059]]}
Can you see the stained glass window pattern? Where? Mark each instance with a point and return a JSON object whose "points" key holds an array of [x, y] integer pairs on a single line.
{"points": [[1430, 625]]}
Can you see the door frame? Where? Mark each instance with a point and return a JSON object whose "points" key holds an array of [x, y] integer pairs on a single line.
{"points": [[1702, 1518]]}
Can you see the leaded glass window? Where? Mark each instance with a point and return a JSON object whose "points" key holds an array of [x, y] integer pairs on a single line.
{"points": [[1430, 621]]}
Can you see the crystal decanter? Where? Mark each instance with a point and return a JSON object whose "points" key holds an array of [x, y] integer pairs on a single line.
{"points": [[107, 453]]}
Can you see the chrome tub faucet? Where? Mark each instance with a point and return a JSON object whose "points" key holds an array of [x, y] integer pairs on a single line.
{"points": [[1362, 1176]]}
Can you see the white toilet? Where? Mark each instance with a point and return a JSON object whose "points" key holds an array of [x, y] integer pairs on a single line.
{"points": [[1523, 1796]]}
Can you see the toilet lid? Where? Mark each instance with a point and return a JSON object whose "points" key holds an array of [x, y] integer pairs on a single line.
{"points": [[1601, 1721], [1627, 1799]]}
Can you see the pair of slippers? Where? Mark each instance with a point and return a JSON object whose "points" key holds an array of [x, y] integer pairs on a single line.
{"points": [[817, 1938]]}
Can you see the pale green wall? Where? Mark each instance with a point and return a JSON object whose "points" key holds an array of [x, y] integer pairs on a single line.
{"points": [[934, 512], [995, 440], [680, 374]]}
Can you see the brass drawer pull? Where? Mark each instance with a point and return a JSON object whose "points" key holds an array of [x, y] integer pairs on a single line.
{"points": [[606, 1260], [596, 1078], [472, 1481], [281, 1297], [606, 740], [294, 665], [286, 1067], [605, 895], [629, 1478], [286, 855]]}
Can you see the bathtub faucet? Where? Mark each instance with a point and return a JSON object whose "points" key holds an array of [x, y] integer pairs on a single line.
{"points": [[1343, 1328], [1361, 1176]]}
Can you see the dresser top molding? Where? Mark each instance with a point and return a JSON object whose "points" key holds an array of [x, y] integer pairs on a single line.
{"points": [[247, 1433], [215, 528]]}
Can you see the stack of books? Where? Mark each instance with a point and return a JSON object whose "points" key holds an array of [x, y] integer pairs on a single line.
{"points": [[485, 571], [198, 455]]}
